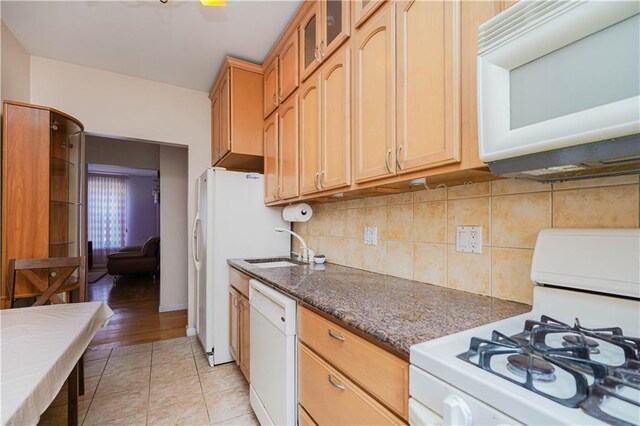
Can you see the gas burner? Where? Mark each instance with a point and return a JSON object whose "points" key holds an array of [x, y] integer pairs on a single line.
{"points": [[541, 370], [573, 340]]}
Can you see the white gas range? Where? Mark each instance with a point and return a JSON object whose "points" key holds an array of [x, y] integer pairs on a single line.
{"points": [[574, 359]]}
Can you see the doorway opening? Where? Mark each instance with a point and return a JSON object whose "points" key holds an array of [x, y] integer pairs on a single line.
{"points": [[132, 269]]}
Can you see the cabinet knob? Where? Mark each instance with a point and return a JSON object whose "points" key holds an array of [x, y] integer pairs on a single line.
{"points": [[321, 179], [315, 180], [275, 100], [322, 50]]}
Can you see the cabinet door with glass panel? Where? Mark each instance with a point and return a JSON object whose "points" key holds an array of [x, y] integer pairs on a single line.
{"points": [[323, 29], [335, 25]]}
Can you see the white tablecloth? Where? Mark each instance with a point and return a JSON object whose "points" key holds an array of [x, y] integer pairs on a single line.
{"points": [[39, 347]]}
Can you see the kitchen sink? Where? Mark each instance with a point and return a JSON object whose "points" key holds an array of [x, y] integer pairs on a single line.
{"points": [[278, 262]]}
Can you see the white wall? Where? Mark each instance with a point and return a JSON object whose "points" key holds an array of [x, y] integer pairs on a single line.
{"points": [[142, 212], [173, 222], [119, 105], [117, 152], [15, 68]]}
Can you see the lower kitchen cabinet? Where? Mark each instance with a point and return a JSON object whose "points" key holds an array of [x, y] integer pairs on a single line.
{"points": [[304, 419], [336, 367], [239, 322], [331, 398]]}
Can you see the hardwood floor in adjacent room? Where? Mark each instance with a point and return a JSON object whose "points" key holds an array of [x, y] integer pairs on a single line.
{"points": [[135, 301]]}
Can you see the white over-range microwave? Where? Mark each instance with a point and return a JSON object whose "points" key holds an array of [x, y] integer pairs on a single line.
{"points": [[559, 89]]}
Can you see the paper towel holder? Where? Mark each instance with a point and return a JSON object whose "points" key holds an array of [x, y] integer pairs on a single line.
{"points": [[301, 212]]}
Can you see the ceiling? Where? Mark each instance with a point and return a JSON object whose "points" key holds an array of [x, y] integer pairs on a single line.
{"points": [[181, 43]]}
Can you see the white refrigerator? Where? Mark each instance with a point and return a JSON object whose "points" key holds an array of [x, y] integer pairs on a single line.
{"points": [[231, 222]]}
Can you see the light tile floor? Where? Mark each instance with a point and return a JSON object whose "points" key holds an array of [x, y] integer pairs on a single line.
{"points": [[167, 382]]}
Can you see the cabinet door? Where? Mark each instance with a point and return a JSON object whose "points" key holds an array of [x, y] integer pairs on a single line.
{"points": [[310, 41], [225, 116], [288, 67], [288, 148], [234, 323], [215, 128], [362, 9], [374, 97], [336, 121], [245, 336], [336, 25], [271, 158], [310, 135], [270, 77], [428, 84]]}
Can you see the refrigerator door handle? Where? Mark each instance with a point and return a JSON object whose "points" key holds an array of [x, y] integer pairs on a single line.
{"points": [[194, 242]]}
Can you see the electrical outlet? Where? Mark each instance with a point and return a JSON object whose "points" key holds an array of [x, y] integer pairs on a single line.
{"points": [[469, 239], [370, 236]]}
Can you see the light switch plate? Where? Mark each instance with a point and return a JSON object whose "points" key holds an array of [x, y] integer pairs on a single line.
{"points": [[370, 235], [469, 239]]}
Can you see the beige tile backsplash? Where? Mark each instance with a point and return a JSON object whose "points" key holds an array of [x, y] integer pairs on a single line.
{"points": [[416, 230]]}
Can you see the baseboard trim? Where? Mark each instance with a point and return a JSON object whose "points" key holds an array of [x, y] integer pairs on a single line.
{"points": [[169, 308]]}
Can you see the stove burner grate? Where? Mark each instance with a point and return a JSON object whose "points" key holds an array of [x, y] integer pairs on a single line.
{"points": [[530, 358]]}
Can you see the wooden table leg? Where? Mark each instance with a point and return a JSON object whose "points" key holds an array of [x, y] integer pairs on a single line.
{"points": [[81, 376], [72, 404]]}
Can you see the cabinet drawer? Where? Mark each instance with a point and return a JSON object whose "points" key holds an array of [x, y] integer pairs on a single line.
{"points": [[382, 374], [304, 419], [332, 399], [240, 281]]}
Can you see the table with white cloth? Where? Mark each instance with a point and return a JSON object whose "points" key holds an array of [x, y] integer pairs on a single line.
{"points": [[39, 348]]}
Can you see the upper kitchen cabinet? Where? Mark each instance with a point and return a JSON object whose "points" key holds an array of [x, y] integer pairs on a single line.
{"points": [[428, 113], [236, 116], [374, 97], [270, 82], [281, 152], [281, 74], [323, 29], [325, 126], [363, 9], [288, 67]]}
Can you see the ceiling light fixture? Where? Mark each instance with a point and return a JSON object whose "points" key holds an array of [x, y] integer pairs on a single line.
{"points": [[213, 2]]}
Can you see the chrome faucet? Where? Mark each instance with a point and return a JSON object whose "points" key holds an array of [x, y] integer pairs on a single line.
{"points": [[307, 254]]}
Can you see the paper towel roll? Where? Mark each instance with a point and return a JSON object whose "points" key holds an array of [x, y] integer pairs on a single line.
{"points": [[297, 213]]}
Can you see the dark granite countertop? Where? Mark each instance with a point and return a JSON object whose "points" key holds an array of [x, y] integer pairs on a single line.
{"points": [[393, 312]]}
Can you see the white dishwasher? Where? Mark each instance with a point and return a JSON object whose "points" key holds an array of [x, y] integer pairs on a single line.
{"points": [[273, 361]]}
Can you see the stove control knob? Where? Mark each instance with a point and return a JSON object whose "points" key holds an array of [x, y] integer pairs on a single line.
{"points": [[456, 412]]}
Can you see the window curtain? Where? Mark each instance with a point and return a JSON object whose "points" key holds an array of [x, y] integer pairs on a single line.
{"points": [[107, 211]]}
